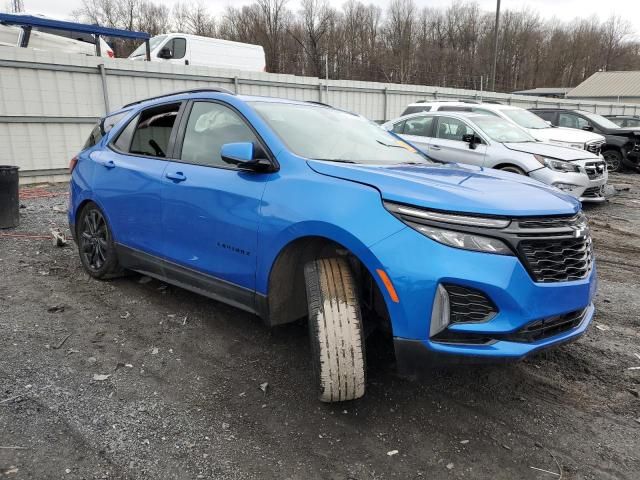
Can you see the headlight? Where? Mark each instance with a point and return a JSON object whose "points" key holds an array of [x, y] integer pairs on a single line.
{"points": [[579, 146], [446, 228], [557, 165], [463, 240]]}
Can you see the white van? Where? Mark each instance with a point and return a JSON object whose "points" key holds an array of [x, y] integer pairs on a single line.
{"points": [[186, 49], [54, 40]]}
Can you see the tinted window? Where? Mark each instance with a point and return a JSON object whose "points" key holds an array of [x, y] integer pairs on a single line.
{"points": [[420, 126], [210, 126], [570, 120], [152, 133], [123, 142], [415, 109], [103, 127], [549, 116], [179, 47], [452, 129], [398, 127]]}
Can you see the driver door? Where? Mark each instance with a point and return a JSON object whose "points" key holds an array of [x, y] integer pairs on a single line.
{"points": [[448, 146]]}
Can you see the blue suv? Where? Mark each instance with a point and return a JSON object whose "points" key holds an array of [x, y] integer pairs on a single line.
{"points": [[290, 209]]}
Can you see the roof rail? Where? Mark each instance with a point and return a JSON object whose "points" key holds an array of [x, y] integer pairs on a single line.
{"points": [[318, 103], [181, 92]]}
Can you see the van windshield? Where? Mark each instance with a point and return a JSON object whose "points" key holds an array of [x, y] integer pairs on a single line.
{"points": [[153, 43], [324, 133]]}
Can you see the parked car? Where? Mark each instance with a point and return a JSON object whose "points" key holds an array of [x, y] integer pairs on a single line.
{"points": [[185, 49], [490, 141], [244, 199], [622, 145], [53, 40], [625, 121], [540, 130]]}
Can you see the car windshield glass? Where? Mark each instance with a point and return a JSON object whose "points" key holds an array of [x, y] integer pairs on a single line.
{"points": [[322, 133], [501, 131], [600, 120], [525, 118], [153, 43]]}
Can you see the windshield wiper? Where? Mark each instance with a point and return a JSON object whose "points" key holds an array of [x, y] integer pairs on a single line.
{"points": [[337, 160], [389, 145]]}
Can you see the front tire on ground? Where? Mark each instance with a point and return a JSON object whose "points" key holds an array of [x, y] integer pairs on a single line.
{"points": [[613, 159], [335, 330], [95, 244]]}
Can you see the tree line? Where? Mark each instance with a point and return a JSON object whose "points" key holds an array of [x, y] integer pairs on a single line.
{"points": [[402, 43]]}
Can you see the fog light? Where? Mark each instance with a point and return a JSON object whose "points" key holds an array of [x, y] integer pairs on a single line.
{"points": [[565, 187], [440, 311]]}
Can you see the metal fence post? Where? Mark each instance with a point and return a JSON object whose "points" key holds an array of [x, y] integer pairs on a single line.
{"points": [[320, 92], [236, 85], [385, 115], [105, 91]]}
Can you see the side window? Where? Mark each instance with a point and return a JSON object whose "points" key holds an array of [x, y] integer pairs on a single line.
{"points": [[210, 126], [153, 130], [398, 127], [123, 142], [420, 126], [548, 116], [452, 129], [416, 109], [570, 120], [103, 127], [179, 48]]}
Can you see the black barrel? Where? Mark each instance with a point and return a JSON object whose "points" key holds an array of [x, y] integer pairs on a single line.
{"points": [[9, 200]]}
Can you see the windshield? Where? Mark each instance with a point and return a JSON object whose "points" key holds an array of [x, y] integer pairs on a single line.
{"points": [[502, 131], [525, 118], [322, 133], [153, 43], [600, 120]]}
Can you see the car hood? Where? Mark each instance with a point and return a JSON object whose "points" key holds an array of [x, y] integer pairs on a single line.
{"points": [[456, 188], [552, 151], [561, 134], [625, 132]]}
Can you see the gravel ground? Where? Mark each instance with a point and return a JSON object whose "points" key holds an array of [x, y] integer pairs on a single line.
{"points": [[136, 379]]}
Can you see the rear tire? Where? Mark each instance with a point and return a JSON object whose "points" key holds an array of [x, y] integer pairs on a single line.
{"points": [[335, 330], [613, 159], [513, 169], [95, 244]]}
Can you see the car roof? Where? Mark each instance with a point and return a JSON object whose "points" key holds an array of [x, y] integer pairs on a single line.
{"points": [[456, 103], [469, 115]]}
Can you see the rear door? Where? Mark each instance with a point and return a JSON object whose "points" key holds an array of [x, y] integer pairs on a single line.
{"points": [[129, 177], [417, 130], [211, 209], [448, 145]]}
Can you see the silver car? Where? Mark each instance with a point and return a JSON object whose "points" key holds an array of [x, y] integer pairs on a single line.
{"points": [[488, 141]]}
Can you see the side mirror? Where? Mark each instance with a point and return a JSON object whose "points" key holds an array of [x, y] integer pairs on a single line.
{"points": [[472, 140], [245, 155], [588, 128], [165, 53]]}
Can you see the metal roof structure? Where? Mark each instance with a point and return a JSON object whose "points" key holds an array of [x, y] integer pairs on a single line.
{"points": [[544, 91], [27, 22], [608, 85]]}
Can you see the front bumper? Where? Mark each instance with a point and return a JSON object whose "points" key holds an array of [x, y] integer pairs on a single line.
{"points": [[416, 266], [583, 188]]}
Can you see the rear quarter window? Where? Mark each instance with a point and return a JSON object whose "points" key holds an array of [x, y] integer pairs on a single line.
{"points": [[416, 109], [103, 127]]}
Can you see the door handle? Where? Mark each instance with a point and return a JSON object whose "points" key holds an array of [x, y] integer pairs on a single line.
{"points": [[436, 147], [176, 176], [108, 164]]}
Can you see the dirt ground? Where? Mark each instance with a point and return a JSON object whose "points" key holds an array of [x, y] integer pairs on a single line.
{"points": [[136, 379]]}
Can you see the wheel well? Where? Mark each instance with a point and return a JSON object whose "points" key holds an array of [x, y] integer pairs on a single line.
{"points": [[615, 148], [77, 213], [502, 165], [287, 299]]}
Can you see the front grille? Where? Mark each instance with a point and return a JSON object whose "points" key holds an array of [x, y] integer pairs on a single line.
{"points": [[469, 305], [558, 260], [551, 222], [547, 327], [594, 147], [595, 169]]}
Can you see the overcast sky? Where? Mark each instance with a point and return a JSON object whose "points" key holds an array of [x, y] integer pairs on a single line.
{"points": [[561, 9]]}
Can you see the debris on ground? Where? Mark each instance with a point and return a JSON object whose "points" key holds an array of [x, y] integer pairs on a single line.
{"points": [[264, 386], [58, 239], [98, 377], [391, 453], [56, 309]]}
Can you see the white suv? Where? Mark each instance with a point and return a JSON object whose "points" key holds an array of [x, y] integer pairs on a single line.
{"points": [[531, 123]]}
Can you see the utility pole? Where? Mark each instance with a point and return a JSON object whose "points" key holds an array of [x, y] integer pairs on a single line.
{"points": [[16, 6], [495, 48]]}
